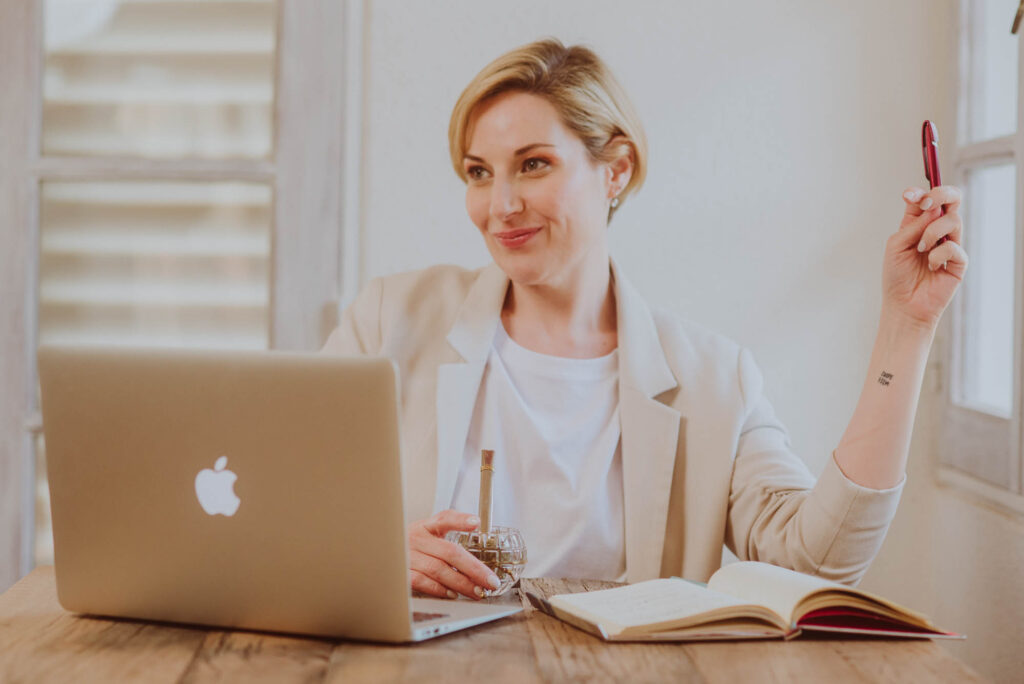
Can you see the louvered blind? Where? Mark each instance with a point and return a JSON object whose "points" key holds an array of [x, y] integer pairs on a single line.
{"points": [[155, 264], [159, 78], [179, 256]]}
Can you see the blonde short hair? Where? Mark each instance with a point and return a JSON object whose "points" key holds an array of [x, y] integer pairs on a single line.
{"points": [[590, 101]]}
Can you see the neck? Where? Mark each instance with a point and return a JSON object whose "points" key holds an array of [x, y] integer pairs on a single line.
{"points": [[573, 312]]}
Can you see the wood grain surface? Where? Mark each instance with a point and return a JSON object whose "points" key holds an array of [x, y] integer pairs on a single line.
{"points": [[41, 642]]}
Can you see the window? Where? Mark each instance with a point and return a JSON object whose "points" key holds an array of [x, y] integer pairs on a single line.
{"points": [[980, 444], [153, 262], [174, 173]]}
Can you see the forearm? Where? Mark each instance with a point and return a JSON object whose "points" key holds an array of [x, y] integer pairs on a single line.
{"points": [[873, 450]]}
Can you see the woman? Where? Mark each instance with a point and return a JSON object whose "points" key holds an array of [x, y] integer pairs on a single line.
{"points": [[629, 443]]}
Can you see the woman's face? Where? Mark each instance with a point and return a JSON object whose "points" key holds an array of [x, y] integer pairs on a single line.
{"points": [[534, 192]]}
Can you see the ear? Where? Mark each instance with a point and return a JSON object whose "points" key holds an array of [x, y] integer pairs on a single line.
{"points": [[620, 169]]}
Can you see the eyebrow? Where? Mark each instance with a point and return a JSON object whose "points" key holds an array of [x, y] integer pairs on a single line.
{"points": [[520, 151]]}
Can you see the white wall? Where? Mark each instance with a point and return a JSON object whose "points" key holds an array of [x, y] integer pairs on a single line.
{"points": [[782, 135]]}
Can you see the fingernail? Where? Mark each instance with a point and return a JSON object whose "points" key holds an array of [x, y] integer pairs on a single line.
{"points": [[931, 267], [910, 195], [494, 581], [452, 594], [473, 520], [921, 247], [478, 591], [926, 203]]}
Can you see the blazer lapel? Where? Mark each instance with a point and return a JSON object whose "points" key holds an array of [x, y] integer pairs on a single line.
{"points": [[459, 382], [650, 431], [691, 429]]}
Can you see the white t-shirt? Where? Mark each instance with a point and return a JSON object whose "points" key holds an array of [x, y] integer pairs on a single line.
{"points": [[553, 423]]}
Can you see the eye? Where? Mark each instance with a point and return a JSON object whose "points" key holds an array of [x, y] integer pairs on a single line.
{"points": [[476, 172], [534, 164]]}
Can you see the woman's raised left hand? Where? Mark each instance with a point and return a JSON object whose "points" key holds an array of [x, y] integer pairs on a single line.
{"points": [[920, 276]]}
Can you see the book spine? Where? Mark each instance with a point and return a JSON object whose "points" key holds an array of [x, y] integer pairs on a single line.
{"points": [[545, 607]]}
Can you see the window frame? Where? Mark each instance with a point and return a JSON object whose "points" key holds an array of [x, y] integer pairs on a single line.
{"points": [[966, 433]]}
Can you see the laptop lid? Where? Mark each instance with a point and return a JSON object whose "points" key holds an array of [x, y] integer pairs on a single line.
{"points": [[258, 490]]}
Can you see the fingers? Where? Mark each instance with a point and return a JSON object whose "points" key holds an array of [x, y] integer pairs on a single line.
{"points": [[438, 571], [915, 220], [440, 523], [439, 565], [423, 584], [949, 225], [948, 255], [919, 200], [911, 196], [462, 560]]}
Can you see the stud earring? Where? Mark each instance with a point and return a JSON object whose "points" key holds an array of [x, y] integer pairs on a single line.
{"points": [[615, 202]]}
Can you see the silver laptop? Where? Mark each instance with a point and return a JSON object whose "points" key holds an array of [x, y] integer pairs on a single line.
{"points": [[254, 490]]}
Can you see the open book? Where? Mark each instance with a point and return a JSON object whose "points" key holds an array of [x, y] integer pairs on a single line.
{"points": [[745, 600]]}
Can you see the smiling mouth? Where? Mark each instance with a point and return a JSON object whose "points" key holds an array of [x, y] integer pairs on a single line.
{"points": [[510, 234], [516, 239]]}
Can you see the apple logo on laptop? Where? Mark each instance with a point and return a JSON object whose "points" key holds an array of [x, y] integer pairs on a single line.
{"points": [[215, 489]]}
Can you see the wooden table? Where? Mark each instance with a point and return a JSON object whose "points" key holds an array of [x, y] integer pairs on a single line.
{"points": [[40, 642]]}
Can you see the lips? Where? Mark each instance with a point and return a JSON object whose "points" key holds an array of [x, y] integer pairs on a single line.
{"points": [[516, 238], [519, 232]]}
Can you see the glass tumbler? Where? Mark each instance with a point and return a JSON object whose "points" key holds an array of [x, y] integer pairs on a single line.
{"points": [[502, 550]]}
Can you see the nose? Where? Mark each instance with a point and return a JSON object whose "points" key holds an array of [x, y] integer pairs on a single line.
{"points": [[505, 200]]}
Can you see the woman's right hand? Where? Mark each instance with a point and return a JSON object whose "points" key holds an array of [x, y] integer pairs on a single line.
{"points": [[441, 568]]}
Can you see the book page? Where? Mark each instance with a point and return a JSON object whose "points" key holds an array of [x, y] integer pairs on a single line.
{"points": [[644, 603], [768, 585]]}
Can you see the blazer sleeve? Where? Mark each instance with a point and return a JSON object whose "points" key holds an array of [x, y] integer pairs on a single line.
{"points": [[359, 331], [778, 513]]}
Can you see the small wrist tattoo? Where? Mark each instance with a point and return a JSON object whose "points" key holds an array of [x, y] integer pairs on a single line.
{"points": [[884, 378]]}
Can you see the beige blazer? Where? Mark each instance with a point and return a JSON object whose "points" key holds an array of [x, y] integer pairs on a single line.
{"points": [[704, 460]]}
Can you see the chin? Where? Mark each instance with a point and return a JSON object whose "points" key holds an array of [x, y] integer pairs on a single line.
{"points": [[524, 269]]}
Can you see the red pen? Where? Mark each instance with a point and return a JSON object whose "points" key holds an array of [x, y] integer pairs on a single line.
{"points": [[930, 150]]}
